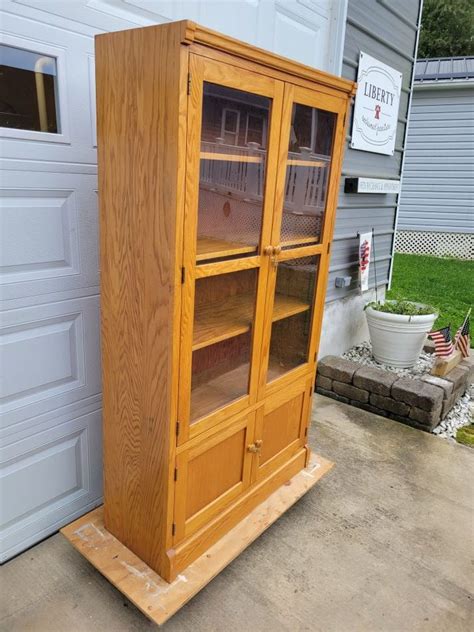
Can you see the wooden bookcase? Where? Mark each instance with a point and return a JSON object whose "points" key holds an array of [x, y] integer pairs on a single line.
{"points": [[219, 168]]}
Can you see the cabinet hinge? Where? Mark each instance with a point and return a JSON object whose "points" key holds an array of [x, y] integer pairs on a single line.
{"points": [[315, 356], [310, 391], [175, 473], [306, 431], [343, 122], [183, 274], [173, 528], [177, 428], [329, 247], [189, 83]]}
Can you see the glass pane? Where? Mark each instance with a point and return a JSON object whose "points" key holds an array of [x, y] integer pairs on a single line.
{"points": [[292, 314], [232, 172], [222, 340], [28, 90], [307, 175]]}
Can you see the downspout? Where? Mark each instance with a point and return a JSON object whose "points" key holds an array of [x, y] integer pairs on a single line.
{"points": [[40, 92], [342, 17], [405, 136]]}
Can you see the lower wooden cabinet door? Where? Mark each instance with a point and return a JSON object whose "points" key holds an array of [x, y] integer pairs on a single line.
{"points": [[280, 429], [211, 473]]}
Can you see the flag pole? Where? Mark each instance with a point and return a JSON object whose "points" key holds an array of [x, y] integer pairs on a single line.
{"points": [[463, 323], [375, 265]]}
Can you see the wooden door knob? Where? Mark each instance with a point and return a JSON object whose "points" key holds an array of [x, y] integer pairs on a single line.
{"points": [[268, 250], [277, 250]]}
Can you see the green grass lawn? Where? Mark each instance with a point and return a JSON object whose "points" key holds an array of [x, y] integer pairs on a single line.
{"points": [[447, 284], [466, 435]]}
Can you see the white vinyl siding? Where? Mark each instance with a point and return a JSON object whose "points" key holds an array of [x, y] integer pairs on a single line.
{"points": [[438, 178]]}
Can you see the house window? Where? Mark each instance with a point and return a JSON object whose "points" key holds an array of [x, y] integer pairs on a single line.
{"points": [[28, 90], [255, 130], [230, 126]]}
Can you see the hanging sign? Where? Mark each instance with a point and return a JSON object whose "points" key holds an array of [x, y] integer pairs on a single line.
{"points": [[365, 248], [377, 100]]}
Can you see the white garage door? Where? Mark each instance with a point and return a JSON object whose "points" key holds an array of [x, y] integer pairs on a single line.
{"points": [[49, 332]]}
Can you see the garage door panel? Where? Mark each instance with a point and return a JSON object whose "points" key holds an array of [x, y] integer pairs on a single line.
{"points": [[52, 233], [87, 17], [42, 231], [47, 477], [49, 277], [75, 103], [50, 357], [302, 32]]}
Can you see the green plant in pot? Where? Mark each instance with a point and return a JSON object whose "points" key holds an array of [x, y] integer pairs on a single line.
{"points": [[398, 330]]}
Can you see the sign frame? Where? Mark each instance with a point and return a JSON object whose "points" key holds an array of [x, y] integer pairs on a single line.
{"points": [[372, 185], [377, 102]]}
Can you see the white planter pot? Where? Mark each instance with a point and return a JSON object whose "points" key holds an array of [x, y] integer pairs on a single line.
{"points": [[397, 340]]}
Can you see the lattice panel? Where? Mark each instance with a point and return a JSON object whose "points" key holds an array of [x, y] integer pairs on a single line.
{"points": [[457, 245], [224, 216]]}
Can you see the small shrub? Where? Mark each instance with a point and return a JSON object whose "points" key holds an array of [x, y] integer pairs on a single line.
{"points": [[465, 435], [404, 308]]}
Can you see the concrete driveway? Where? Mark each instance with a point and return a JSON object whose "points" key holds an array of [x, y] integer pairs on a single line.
{"points": [[384, 542]]}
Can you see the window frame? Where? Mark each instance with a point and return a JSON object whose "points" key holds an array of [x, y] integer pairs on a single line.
{"points": [[264, 128], [59, 55], [225, 131]]}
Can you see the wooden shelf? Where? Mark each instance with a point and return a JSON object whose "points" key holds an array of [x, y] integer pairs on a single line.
{"points": [[213, 155], [210, 248], [285, 306], [299, 162], [220, 391], [228, 387], [217, 322], [297, 240], [276, 369]]}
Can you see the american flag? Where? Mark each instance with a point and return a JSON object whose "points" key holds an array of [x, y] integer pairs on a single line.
{"points": [[442, 341], [364, 255], [462, 338]]}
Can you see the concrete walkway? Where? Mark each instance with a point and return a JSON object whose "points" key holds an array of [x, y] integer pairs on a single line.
{"points": [[384, 542]]}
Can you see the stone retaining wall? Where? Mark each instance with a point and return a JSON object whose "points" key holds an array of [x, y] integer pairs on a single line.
{"points": [[420, 402]]}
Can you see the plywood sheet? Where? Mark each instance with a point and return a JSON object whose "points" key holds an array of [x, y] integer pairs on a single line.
{"points": [[155, 597]]}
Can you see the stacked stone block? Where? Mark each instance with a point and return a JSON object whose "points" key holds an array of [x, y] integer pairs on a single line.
{"points": [[419, 402]]}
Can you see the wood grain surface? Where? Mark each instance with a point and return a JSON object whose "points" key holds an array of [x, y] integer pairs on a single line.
{"points": [[150, 86], [140, 212], [155, 597]]}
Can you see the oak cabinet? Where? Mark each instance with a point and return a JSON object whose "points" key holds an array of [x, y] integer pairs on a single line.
{"points": [[219, 167]]}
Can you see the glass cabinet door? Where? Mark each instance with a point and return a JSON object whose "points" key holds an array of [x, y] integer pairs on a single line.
{"points": [[233, 131], [301, 231], [307, 175], [292, 314], [233, 161], [224, 310]]}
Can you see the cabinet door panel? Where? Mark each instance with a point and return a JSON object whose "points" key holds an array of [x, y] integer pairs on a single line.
{"points": [[224, 310], [281, 426], [292, 314], [309, 162], [305, 199], [233, 139], [233, 159], [234, 129], [211, 474]]}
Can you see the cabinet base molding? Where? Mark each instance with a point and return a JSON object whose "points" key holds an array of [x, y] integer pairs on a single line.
{"points": [[150, 593]]}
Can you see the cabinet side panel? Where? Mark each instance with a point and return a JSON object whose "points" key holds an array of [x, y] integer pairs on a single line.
{"points": [[138, 101]]}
